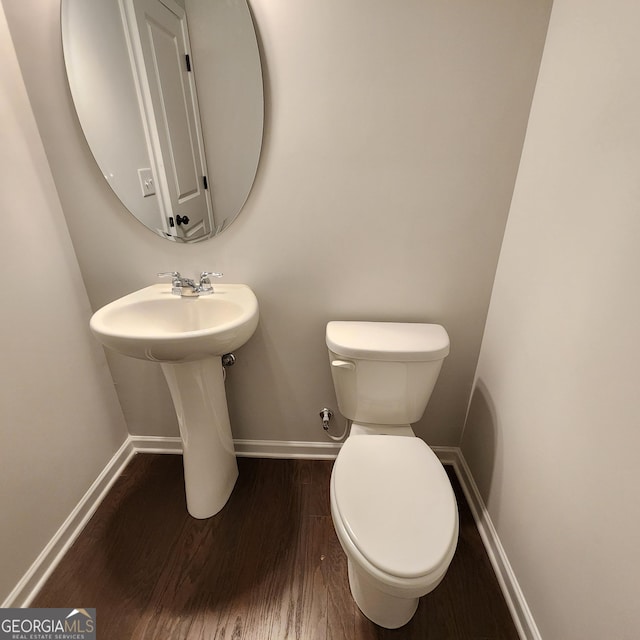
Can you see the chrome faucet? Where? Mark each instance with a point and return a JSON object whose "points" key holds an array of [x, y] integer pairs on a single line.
{"points": [[187, 287]]}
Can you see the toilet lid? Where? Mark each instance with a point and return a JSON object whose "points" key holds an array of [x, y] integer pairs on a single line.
{"points": [[396, 503], [388, 341]]}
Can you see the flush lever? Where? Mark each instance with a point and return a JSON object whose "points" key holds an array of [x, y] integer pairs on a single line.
{"points": [[343, 364]]}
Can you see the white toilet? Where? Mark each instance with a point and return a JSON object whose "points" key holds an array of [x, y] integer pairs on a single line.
{"points": [[392, 504]]}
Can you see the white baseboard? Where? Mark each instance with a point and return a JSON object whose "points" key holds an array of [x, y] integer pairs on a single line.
{"points": [[45, 563], [520, 612], [247, 448], [286, 449], [447, 455], [156, 444]]}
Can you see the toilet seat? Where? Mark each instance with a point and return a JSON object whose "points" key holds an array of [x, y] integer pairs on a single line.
{"points": [[395, 505]]}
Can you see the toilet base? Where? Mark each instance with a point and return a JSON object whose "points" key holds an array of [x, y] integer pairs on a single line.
{"points": [[385, 610]]}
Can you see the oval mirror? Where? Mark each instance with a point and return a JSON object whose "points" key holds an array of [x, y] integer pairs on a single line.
{"points": [[170, 99]]}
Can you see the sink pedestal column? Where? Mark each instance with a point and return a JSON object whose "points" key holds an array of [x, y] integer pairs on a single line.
{"points": [[210, 467]]}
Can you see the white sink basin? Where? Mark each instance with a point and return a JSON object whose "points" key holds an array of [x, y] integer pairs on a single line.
{"points": [[153, 324]]}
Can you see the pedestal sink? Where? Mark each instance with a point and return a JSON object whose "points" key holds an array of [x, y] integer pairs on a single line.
{"points": [[188, 336]]}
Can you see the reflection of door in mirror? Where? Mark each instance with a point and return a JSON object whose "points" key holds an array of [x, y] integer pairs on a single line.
{"points": [[109, 84], [161, 60]]}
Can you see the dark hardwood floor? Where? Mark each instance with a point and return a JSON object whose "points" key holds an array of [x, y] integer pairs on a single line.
{"points": [[268, 567]]}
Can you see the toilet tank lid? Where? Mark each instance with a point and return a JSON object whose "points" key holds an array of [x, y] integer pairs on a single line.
{"points": [[392, 341]]}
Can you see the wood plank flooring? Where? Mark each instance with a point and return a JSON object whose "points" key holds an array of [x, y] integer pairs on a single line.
{"points": [[267, 567]]}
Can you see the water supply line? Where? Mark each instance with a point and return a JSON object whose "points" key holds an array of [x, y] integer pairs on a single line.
{"points": [[326, 415], [228, 360]]}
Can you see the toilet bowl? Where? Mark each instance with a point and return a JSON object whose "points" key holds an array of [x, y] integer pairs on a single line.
{"points": [[392, 504]]}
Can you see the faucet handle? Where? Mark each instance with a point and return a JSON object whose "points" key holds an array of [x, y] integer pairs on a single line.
{"points": [[176, 281], [205, 283]]}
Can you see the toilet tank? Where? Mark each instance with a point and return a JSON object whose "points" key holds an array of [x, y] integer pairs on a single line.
{"points": [[384, 372]]}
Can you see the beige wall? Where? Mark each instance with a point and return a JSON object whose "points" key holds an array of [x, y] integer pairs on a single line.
{"points": [[60, 418], [392, 140], [553, 431]]}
